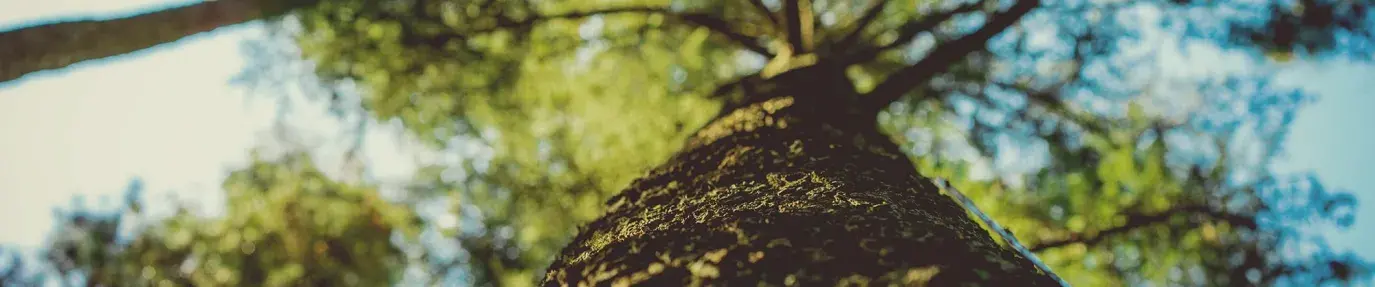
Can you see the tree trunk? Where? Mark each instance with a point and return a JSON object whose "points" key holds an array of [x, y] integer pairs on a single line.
{"points": [[797, 188], [57, 45]]}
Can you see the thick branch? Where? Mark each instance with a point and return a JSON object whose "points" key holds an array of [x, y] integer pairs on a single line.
{"points": [[720, 26], [1136, 221], [863, 22], [58, 45], [799, 18], [944, 56]]}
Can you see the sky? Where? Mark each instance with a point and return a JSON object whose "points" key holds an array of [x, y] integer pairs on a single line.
{"points": [[170, 116], [166, 114], [1335, 139]]}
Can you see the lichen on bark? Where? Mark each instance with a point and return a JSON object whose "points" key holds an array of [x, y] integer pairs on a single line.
{"points": [[788, 190]]}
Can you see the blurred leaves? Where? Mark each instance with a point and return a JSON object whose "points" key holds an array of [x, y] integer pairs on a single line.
{"points": [[286, 224]]}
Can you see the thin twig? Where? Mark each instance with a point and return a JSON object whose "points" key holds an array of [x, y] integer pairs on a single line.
{"points": [[863, 22], [764, 9], [1136, 221], [720, 26], [910, 31]]}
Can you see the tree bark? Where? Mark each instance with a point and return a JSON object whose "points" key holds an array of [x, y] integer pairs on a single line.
{"points": [[797, 188], [57, 45]]}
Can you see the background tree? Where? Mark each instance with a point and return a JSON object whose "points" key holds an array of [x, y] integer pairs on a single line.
{"points": [[285, 224], [1058, 127], [1069, 92], [18, 272]]}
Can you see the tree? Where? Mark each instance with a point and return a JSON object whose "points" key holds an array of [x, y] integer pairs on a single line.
{"points": [[17, 272], [286, 224], [56, 45], [466, 79], [833, 127]]}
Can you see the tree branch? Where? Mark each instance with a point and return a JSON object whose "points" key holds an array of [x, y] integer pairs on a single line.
{"points": [[720, 26], [1049, 100], [907, 32], [1136, 221], [799, 18], [863, 22], [725, 89], [944, 56], [51, 46], [506, 23]]}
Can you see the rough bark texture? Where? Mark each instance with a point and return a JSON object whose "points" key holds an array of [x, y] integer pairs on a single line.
{"points": [[797, 188], [57, 45]]}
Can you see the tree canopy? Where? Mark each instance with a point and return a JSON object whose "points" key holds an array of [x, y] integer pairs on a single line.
{"points": [[1125, 142]]}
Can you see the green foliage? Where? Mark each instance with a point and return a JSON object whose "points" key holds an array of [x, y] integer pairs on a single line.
{"points": [[286, 224]]}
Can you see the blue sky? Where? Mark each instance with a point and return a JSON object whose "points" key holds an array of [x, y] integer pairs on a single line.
{"points": [[170, 116], [1335, 138]]}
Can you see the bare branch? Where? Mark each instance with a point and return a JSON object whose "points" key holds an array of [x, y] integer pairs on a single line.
{"points": [[1050, 100], [944, 56], [1136, 221]]}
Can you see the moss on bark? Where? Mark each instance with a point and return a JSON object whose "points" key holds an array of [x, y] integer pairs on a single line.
{"points": [[796, 189]]}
